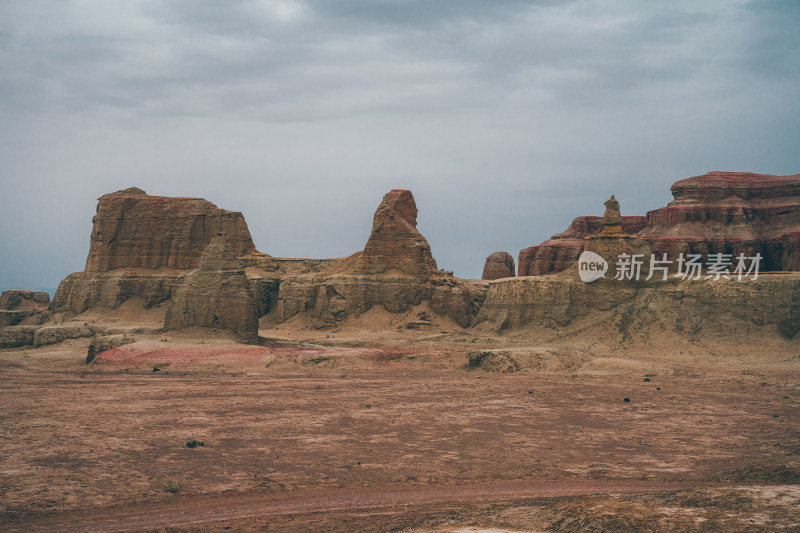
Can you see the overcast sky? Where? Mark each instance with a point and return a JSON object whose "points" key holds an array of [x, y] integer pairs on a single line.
{"points": [[505, 118]]}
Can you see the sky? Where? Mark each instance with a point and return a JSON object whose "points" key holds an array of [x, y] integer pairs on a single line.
{"points": [[506, 119]]}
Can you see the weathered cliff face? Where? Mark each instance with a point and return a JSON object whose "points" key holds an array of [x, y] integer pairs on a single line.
{"points": [[718, 212], [498, 265], [135, 230], [81, 291], [23, 307], [731, 213], [563, 249], [395, 245], [217, 294], [142, 246], [327, 301], [395, 271], [608, 309]]}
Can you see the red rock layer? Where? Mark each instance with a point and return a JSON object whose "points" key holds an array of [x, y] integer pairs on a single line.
{"points": [[718, 212], [135, 230], [561, 250], [732, 213]]}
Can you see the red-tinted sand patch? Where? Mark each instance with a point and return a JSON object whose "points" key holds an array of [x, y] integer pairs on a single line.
{"points": [[150, 353]]}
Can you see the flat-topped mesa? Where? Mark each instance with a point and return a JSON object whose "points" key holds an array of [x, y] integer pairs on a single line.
{"points": [[718, 212], [731, 213], [395, 244], [563, 249], [133, 230], [498, 265], [717, 187]]}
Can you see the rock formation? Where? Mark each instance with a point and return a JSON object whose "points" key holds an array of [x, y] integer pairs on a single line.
{"points": [[142, 246], [216, 294], [732, 213], [719, 212], [23, 307], [135, 230], [498, 265], [395, 271], [563, 249], [612, 219], [605, 310], [166, 253], [394, 243], [612, 244]]}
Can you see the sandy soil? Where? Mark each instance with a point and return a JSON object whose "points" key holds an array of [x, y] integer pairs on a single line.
{"points": [[370, 431]]}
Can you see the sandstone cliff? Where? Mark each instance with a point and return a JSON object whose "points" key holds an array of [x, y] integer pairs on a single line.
{"points": [[23, 307], [394, 243], [563, 306], [718, 212], [562, 250], [135, 230], [144, 247], [731, 212], [395, 271], [216, 294]]}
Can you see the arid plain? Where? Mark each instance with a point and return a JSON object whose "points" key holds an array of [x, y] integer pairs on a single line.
{"points": [[187, 382]]}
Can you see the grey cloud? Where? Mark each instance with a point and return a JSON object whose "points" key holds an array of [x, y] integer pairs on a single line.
{"points": [[505, 118]]}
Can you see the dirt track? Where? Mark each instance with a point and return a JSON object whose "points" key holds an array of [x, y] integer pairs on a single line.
{"points": [[195, 512]]}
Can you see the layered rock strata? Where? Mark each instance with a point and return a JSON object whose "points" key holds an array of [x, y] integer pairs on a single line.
{"points": [[217, 294], [623, 310], [563, 249], [719, 212], [395, 271], [135, 230], [23, 307], [395, 244], [731, 213]]}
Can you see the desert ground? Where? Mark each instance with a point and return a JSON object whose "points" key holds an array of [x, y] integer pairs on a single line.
{"points": [[399, 429]]}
